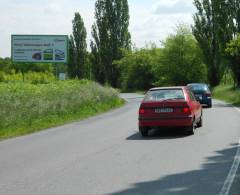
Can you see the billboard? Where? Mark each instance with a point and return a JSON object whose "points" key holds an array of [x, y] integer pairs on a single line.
{"points": [[40, 48]]}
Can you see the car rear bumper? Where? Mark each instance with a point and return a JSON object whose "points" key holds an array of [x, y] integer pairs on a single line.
{"points": [[166, 122], [206, 100]]}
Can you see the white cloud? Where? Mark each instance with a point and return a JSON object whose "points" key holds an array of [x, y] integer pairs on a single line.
{"points": [[149, 25], [175, 7]]}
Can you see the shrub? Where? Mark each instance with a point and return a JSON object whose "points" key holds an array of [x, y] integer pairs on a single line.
{"points": [[23, 103], [2, 76], [30, 77], [138, 69]]}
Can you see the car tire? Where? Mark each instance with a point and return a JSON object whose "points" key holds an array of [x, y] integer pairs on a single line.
{"points": [[143, 131], [209, 105], [199, 123], [190, 129]]}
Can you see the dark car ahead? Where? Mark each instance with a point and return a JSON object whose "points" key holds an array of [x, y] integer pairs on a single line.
{"points": [[169, 107], [202, 93]]}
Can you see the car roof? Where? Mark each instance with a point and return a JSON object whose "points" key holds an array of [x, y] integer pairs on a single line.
{"points": [[196, 84], [165, 88]]}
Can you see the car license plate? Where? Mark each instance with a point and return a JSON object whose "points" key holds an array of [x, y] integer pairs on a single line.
{"points": [[163, 110]]}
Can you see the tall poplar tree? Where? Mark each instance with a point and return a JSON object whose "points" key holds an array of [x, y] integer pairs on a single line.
{"points": [[77, 48], [110, 35], [233, 52], [71, 61], [233, 48], [212, 30]]}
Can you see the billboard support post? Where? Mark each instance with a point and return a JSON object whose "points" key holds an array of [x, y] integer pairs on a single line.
{"points": [[56, 67]]}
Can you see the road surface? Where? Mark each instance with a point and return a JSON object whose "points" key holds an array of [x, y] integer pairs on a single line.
{"points": [[106, 155]]}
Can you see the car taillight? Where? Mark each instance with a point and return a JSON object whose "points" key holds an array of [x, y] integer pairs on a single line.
{"points": [[141, 111], [186, 110]]}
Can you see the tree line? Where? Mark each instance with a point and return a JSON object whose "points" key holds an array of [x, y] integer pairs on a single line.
{"points": [[204, 52], [212, 43]]}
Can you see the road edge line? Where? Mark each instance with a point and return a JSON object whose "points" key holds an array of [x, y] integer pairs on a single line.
{"points": [[232, 173]]}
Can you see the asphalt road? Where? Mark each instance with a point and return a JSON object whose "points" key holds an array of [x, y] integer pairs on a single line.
{"points": [[106, 155]]}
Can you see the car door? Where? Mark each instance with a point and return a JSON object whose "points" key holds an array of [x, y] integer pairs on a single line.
{"points": [[196, 106]]}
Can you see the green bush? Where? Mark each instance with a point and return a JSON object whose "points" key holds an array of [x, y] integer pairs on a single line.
{"points": [[40, 77], [138, 69], [182, 60], [2, 76], [30, 77]]}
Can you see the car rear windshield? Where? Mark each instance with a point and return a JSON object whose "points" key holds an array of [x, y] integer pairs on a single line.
{"points": [[164, 94], [198, 87]]}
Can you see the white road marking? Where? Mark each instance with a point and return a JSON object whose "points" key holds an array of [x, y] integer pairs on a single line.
{"points": [[232, 173]]}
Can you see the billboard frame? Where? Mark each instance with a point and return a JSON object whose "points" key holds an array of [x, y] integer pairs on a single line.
{"points": [[36, 35]]}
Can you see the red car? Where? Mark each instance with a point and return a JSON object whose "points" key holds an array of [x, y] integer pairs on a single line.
{"points": [[169, 107]]}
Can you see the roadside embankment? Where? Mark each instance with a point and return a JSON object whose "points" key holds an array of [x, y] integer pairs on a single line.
{"points": [[27, 108]]}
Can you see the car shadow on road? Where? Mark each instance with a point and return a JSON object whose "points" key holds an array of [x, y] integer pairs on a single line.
{"points": [[159, 134], [206, 107], [209, 179]]}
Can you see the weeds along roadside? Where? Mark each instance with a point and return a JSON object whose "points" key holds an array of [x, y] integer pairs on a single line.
{"points": [[228, 94], [26, 107]]}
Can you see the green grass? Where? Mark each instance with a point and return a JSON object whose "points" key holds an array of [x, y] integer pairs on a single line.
{"points": [[26, 108], [228, 94]]}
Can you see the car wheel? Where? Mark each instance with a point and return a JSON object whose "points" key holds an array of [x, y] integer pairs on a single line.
{"points": [[199, 123], [209, 105], [143, 131], [190, 129]]}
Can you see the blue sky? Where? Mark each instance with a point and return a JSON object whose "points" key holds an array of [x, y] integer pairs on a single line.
{"points": [[150, 20]]}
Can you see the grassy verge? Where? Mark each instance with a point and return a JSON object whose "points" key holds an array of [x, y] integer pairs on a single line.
{"points": [[228, 94], [27, 108]]}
